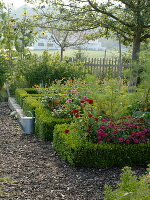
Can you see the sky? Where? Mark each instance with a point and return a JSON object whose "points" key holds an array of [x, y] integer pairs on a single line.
{"points": [[16, 3]]}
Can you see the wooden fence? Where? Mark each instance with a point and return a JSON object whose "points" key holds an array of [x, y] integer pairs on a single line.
{"points": [[103, 66]]}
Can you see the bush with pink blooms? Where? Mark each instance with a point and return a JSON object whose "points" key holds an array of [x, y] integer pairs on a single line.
{"points": [[131, 130]]}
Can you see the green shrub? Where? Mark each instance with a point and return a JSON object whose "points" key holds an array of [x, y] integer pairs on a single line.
{"points": [[79, 152], [30, 104], [129, 187], [31, 90], [45, 123], [46, 69], [3, 95], [3, 71], [20, 94]]}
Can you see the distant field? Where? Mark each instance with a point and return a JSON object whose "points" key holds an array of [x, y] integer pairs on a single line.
{"points": [[86, 53]]}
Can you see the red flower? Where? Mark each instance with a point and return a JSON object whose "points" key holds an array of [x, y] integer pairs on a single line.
{"points": [[82, 101], [76, 115], [90, 101], [66, 131], [96, 119], [90, 115], [75, 111]]}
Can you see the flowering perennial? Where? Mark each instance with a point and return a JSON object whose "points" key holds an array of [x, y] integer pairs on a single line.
{"points": [[130, 130]]}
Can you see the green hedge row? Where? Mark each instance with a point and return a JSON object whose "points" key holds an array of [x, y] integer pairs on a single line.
{"points": [[30, 104], [28, 98], [81, 153], [20, 94], [45, 123]]}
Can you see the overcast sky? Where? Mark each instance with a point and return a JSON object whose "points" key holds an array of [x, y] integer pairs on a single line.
{"points": [[16, 3]]}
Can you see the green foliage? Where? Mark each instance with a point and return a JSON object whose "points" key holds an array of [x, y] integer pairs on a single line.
{"points": [[46, 69], [20, 94], [79, 152], [123, 20], [129, 187], [30, 104], [3, 71], [3, 95], [45, 123]]}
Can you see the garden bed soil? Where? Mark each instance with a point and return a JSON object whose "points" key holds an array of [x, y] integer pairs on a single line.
{"points": [[30, 169]]}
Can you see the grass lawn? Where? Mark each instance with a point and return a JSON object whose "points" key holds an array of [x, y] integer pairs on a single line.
{"points": [[86, 53]]}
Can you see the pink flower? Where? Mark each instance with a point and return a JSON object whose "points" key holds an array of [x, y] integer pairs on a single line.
{"points": [[102, 127], [115, 131], [76, 94], [84, 97], [120, 140], [136, 140], [103, 120], [73, 91], [69, 101], [99, 137], [128, 141]]}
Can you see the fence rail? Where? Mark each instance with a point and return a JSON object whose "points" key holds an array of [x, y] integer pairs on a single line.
{"points": [[103, 66]]}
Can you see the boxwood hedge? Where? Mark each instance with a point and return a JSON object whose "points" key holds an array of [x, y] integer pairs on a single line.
{"points": [[81, 153], [45, 123]]}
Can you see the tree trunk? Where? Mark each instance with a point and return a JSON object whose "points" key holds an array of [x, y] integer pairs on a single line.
{"points": [[135, 61], [136, 47], [61, 53]]}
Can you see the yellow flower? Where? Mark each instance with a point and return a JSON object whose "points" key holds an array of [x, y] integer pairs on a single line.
{"points": [[24, 13], [35, 16], [43, 33], [108, 112]]}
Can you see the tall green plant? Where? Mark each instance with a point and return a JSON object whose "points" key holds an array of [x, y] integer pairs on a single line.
{"points": [[129, 187]]}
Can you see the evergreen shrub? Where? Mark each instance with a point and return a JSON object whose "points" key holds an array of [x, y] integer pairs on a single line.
{"points": [[30, 104], [20, 94], [81, 153], [45, 123]]}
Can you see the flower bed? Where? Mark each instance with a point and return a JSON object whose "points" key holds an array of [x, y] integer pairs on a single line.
{"points": [[80, 152]]}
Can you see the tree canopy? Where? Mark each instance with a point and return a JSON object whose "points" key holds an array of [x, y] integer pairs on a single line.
{"points": [[128, 20]]}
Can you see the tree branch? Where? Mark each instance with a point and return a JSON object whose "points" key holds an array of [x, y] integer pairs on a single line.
{"points": [[146, 36], [108, 14]]}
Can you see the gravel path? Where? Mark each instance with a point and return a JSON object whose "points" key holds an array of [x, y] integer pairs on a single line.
{"points": [[31, 170]]}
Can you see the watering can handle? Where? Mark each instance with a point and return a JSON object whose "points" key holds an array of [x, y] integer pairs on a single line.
{"points": [[30, 113]]}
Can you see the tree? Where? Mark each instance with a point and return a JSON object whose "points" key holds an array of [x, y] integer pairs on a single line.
{"points": [[64, 38], [125, 19]]}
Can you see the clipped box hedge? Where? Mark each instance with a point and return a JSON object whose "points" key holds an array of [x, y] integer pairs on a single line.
{"points": [[81, 153], [30, 104], [20, 94], [45, 123]]}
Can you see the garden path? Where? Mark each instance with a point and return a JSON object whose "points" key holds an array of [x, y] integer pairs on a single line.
{"points": [[31, 170]]}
